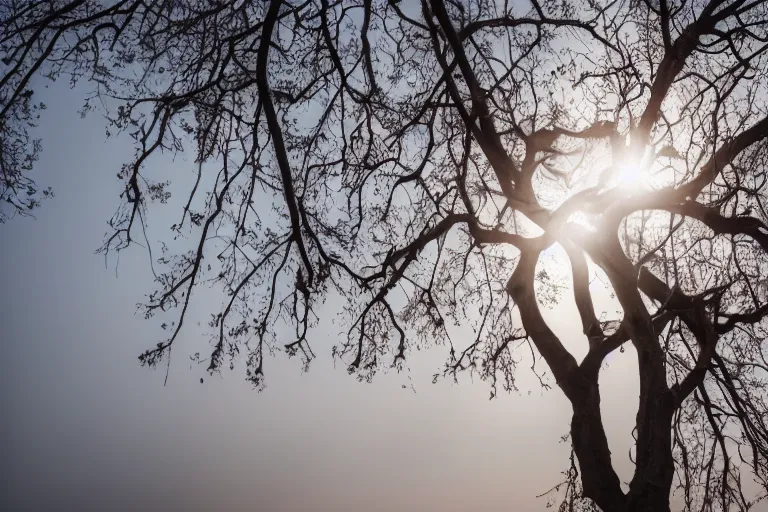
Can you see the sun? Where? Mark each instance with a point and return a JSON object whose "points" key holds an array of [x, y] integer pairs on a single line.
{"points": [[632, 173], [641, 173]]}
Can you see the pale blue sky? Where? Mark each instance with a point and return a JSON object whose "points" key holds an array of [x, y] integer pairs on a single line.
{"points": [[86, 428]]}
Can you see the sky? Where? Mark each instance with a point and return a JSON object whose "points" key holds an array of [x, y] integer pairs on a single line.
{"points": [[84, 427]]}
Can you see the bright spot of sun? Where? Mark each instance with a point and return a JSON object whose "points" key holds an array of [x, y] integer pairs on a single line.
{"points": [[635, 169], [631, 173]]}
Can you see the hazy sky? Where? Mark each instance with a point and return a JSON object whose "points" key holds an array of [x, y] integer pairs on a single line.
{"points": [[86, 428]]}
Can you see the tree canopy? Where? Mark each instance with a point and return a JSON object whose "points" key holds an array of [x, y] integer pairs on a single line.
{"points": [[414, 163]]}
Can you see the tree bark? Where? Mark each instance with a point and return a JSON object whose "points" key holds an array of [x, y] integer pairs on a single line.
{"points": [[599, 480], [654, 465], [651, 484], [652, 481]]}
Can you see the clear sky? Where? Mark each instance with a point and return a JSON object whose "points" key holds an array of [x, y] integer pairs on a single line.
{"points": [[86, 428]]}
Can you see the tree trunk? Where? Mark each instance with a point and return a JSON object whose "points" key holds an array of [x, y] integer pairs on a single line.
{"points": [[647, 500], [655, 467], [652, 481], [599, 480]]}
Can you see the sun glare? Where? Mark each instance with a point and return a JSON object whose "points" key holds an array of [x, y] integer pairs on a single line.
{"points": [[645, 172], [632, 173]]}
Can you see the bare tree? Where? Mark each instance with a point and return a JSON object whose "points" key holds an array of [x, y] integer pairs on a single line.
{"points": [[413, 160]]}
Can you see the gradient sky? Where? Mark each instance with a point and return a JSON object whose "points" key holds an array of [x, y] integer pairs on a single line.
{"points": [[86, 428]]}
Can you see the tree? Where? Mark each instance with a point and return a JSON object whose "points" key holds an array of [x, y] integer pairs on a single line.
{"points": [[413, 161]]}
